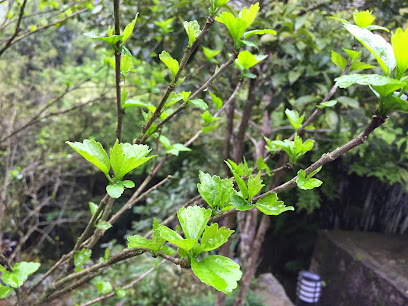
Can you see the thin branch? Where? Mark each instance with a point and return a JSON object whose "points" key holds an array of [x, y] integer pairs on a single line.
{"points": [[16, 31], [128, 286], [326, 158]]}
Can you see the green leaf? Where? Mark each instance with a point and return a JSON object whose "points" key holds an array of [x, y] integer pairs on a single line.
{"points": [[214, 190], [306, 183], [120, 292], [174, 238], [137, 241], [115, 190], [2, 269], [270, 205], [93, 152], [250, 44], [112, 40], [176, 148], [209, 53], [10, 279], [130, 103], [360, 66], [249, 15], [240, 203], [103, 225], [217, 271], [246, 60], [126, 64], [261, 165], [330, 103], [363, 19], [294, 118], [126, 157], [254, 185], [240, 182], [214, 237], [382, 84], [5, 291], [193, 30], [376, 27], [338, 60], [93, 207], [208, 118], [129, 29], [193, 220], [170, 62], [199, 103], [236, 26], [399, 41], [217, 101], [104, 287], [377, 45], [209, 128], [354, 55], [173, 98], [128, 184], [81, 257], [295, 149], [258, 32]]}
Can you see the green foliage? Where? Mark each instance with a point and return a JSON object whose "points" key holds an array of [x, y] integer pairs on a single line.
{"points": [[214, 237], [399, 41], [81, 257], [270, 205], [338, 60], [295, 149], [129, 30], [219, 272], [104, 287], [246, 60], [17, 277], [214, 190], [170, 62], [307, 182], [294, 118], [193, 31], [363, 19]]}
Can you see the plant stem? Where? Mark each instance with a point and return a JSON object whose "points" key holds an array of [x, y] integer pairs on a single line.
{"points": [[117, 72]]}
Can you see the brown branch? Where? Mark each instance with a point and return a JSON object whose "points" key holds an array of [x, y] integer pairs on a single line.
{"points": [[128, 286], [117, 72], [326, 158], [16, 31]]}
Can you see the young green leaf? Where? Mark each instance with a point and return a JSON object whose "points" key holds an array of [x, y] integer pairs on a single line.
{"points": [[112, 40], [354, 55], [199, 103], [10, 279], [5, 291], [254, 185], [214, 237], [377, 45], [170, 62], [93, 152], [249, 15], [338, 60], [104, 287], [81, 257], [176, 149], [307, 183], [214, 190], [120, 292], [294, 118], [240, 182], [93, 207], [258, 32], [103, 225], [399, 41], [236, 27], [210, 53], [217, 271], [382, 84], [193, 220], [330, 103], [174, 238], [193, 30], [261, 165], [363, 18], [129, 29], [360, 66], [115, 190], [246, 60], [240, 204], [208, 118], [173, 98], [270, 205], [217, 101], [126, 64], [126, 157]]}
